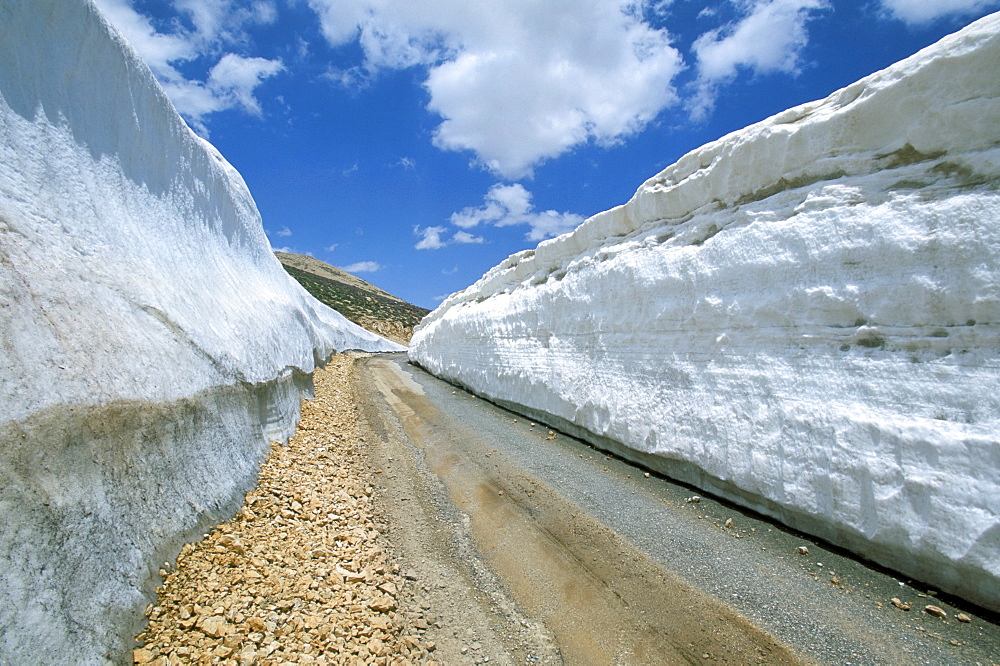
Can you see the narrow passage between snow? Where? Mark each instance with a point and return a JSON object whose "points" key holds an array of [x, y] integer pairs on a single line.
{"points": [[410, 522]]}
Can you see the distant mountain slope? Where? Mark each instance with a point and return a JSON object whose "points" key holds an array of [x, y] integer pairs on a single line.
{"points": [[304, 262], [361, 302]]}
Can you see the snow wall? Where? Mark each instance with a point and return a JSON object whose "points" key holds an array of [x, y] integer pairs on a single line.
{"points": [[152, 345], [801, 317]]}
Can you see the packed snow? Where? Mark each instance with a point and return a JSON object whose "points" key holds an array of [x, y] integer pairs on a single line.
{"points": [[152, 345], [801, 317]]}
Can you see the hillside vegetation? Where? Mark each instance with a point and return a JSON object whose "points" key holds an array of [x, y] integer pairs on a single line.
{"points": [[359, 301]]}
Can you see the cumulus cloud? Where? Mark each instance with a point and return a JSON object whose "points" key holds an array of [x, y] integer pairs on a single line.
{"points": [[284, 232], [504, 205], [518, 82], [916, 12], [234, 78], [362, 267], [430, 238], [768, 38], [464, 237], [509, 205], [202, 28]]}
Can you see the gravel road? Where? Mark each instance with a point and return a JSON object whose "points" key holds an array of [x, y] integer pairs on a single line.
{"points": [[411, 522], [598, 561]]}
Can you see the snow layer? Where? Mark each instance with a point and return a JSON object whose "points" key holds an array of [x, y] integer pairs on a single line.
{"points": [[151, 342], [801, 316]]}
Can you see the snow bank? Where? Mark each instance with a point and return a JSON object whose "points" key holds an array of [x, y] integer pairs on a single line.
{"points": [[151, 342], [801, 316]]}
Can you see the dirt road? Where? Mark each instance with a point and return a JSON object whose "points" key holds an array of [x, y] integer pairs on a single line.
{"points": [[410, 522], [524, 546]]}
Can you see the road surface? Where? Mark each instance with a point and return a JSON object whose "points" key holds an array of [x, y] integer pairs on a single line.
{"points": [[532, 547]]}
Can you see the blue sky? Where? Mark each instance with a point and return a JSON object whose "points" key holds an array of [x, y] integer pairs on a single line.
{"points": [[417, 143]]}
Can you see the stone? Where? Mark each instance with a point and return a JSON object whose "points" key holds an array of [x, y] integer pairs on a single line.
{"points": [[142, 656], [350, 575], [936, 611], [899, 604], [803, 550], [214, 626], [247, 657], [962, 617], [383, 604], [222, 651]]}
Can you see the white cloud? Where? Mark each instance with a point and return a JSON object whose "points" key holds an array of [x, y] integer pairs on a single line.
{"points": [[331, 248], [406, 163], [769, 38], [216, 25], [284, 232], [362, 267], [504, 205], [430, 238], [508, 205], [234, 78], [915, 12], [464, 237], [521, 81], [264, 13]]}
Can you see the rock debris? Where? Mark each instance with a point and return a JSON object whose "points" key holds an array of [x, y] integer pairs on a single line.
{"points": [[301, 574]]}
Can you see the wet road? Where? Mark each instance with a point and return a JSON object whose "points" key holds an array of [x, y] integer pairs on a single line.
{"points": [[602, 562]]}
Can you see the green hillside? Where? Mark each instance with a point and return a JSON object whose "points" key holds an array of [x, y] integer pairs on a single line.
{"points": [[358, 305]]}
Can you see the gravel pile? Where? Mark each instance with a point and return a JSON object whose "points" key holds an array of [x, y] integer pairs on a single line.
{"points": [[301, 574]]}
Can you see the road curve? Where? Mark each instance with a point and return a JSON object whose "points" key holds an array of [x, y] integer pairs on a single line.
{"points": [[547, 550]]}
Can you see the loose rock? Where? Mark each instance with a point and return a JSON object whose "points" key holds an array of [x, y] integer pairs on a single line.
{"points": [[214, 626], [302, 577], [936, 611]]}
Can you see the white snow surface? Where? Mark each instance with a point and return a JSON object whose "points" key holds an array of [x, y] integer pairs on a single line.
{"points": [[801, 316], [134, 255], [151, 342]]}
